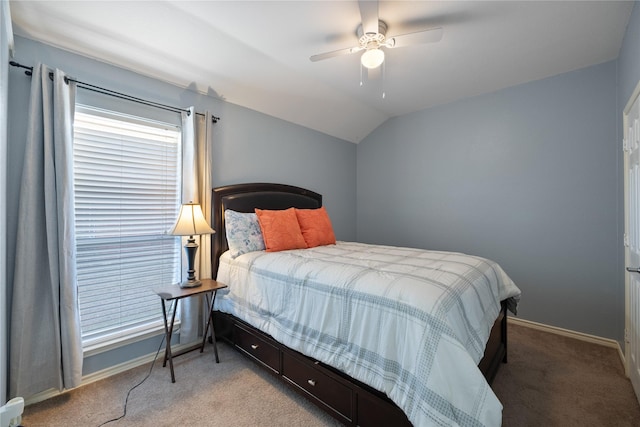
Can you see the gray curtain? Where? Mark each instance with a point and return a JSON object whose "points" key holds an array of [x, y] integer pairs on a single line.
{"points": [[6, 52], [45, 341], [196, 187], [204, 141]]}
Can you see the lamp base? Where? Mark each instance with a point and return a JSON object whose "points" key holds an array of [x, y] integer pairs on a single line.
{"points": [[190, 248], [190, 284]]}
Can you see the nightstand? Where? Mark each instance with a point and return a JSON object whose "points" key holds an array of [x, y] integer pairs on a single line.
{"points": [[173, 294]]}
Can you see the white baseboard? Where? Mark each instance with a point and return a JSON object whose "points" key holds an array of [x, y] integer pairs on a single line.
{"points": [[607, 342], [107, 372]]}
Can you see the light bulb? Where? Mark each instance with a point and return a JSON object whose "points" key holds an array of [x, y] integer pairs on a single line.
{"points": [[372, 58]]}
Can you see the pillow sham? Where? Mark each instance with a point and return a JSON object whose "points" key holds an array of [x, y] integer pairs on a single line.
{"points": [[280, 229], [316, 227], [243, 232]]}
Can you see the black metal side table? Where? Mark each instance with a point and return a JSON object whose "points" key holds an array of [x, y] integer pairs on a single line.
{"points": [[175, 293]]}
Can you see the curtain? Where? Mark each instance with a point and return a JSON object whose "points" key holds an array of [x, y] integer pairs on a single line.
{"points": [[45, 340], [6, 52], [196, 187]]}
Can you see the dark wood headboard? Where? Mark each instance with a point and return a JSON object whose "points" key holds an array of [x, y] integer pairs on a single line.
{"points": [[247, 197]]}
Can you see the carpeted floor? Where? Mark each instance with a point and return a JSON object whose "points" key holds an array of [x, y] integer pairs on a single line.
{"points": [[234, 392], [549, 381]]}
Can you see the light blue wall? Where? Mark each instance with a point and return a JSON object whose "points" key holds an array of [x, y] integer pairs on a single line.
{"points": [[527, 176], [629, 59], [248, 146]]}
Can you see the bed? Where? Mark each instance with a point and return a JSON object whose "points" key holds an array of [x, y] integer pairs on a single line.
{"points": [[365, 351]]}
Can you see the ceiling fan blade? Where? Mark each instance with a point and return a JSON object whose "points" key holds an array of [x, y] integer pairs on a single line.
{"points": [[333, 54], [369, 15], [426, 36]]}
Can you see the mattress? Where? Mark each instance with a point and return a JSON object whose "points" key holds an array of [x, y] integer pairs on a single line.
{"points": [[410, 323]]}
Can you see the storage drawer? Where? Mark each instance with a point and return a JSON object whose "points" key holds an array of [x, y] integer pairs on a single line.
{"points": [[375, 411], [320, 385], [258, 348], [223, 325]]}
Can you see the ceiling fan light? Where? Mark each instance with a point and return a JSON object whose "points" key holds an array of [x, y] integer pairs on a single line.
{"points": [[372, 58]]}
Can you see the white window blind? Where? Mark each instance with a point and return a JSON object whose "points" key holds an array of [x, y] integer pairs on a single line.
{"points": [[127, 196]]}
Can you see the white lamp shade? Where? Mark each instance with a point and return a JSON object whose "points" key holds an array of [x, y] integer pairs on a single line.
{"points": [[191, 221], [372, 58]]}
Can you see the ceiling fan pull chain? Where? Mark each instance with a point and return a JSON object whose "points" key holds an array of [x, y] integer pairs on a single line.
{"points": [[361, 83], [384, 94]]}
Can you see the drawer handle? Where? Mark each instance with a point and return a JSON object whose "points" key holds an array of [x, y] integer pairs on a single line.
{"points": [[254, 346], [312, 382]]}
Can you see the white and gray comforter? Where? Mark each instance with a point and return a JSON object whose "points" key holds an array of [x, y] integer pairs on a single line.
{"points": [[411, 323]]}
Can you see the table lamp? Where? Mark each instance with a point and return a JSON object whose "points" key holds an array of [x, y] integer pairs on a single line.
{"points": [[191, 222]]}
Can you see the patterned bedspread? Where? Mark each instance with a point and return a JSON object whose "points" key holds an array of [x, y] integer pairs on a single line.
{"points": [[411, 323]]}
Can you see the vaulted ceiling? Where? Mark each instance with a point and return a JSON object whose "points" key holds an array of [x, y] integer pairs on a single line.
{"points": [[256, 53]]}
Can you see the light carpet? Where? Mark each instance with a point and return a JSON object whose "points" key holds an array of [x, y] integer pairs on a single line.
{"points": [[550, 380]]}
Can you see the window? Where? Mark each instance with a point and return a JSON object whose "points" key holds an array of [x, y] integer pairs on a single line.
{"points": [[127, 196]]}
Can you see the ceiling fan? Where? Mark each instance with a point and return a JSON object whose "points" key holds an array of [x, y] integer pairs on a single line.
{"points": [[372, 37]]}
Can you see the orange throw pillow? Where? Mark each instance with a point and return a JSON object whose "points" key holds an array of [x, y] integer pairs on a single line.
{"points": [[316, 227], [280, 230]]}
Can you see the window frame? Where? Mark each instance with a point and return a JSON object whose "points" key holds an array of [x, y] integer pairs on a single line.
{"points": [[100, 341]]}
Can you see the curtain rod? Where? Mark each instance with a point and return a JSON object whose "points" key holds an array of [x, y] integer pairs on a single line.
{"points": [[104, 91]]}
